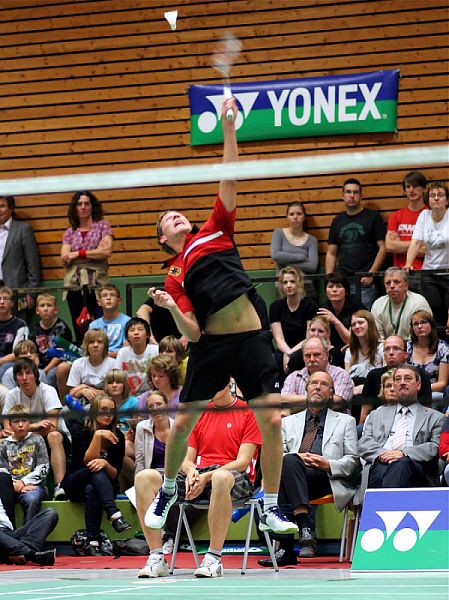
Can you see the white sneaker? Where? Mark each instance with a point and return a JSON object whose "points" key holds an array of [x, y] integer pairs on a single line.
{"points": [[273, 520], [157, 512], [155, 566], [210, 567], [168, 545]]}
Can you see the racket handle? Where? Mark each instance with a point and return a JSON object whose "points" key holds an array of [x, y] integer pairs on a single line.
{"points": [[228, 94]]}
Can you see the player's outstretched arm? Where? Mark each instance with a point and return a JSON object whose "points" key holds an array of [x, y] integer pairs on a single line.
{"points": [[228, 188]]}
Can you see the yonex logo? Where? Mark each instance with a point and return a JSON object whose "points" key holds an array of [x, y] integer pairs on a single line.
{"points": [[404, 539], [208, 120]]}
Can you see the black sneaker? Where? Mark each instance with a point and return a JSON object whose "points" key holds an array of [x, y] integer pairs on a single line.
{"points": [[284, 558], [46, 558], [120, 525], [306, 537]]}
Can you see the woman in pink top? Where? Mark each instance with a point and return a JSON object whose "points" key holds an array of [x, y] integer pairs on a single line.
{"points": [[86, 247]]}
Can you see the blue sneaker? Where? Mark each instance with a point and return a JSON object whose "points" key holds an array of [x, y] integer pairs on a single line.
{"points": [[157, 512], [273, 520]]}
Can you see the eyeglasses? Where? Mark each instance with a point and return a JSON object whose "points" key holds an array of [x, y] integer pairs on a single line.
{"points": [[406, 378], [421, 322]]}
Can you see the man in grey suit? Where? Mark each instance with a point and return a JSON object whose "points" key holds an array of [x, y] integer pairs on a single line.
{"points": [[400, 442], [19, 256], [320, 458]]}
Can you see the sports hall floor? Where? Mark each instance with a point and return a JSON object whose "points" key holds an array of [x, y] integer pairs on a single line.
{"points": [[257, 584]]}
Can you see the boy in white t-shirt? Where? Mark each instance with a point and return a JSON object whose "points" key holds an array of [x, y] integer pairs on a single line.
{"points": [[135, 358]]}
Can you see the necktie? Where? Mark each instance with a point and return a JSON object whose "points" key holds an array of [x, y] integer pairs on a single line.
{"points": [[398, 441], [309, 435]]}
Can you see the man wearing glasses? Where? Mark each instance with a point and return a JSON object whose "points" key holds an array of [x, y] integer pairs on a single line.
{"points": [[400, 442], [393, 311]]}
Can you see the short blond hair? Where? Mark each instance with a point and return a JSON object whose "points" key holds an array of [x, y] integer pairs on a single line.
{"points": [[95, 335], [45, 296]]}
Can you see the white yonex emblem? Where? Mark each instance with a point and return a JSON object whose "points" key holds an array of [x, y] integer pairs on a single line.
{"points": [[208, 120], [404, 539]]}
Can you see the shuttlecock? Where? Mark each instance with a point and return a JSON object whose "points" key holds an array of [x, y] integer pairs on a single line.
{"points": [[171, 17]]}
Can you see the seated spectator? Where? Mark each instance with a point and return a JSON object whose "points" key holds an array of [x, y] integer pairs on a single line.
{"points": [[116, 385], [24, 456], [151, 437], [400, 442], [339, 308], [444, 449], [392, 312], [87, 374], [24, 349], [44, 332], [12, 330], [293, 246], [387, 394], [427, 351], [173, 346], [135, 359], [316, 358], [394, 355], [364, 352], [317, 327], [432, 230], [27, 543], [320, 457], [165, 377], [289, 316], [219, 466], [98, 451], [41, 398], [113, 321], [159, 319]]}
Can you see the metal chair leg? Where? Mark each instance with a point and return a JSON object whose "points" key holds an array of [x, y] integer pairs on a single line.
{"points": [[357, 511], [268, 541], [248, 535], [177, 537], [343, 536]]}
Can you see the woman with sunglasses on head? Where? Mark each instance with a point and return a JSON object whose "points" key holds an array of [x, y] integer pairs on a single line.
{"points": [[432, 230], [426, 350], [97, 456]]}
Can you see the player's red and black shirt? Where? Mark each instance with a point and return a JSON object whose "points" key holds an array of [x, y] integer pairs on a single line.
{"points": [[208, 274]]}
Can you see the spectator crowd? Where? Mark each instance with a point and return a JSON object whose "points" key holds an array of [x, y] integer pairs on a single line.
{"points": [[364, 379]]}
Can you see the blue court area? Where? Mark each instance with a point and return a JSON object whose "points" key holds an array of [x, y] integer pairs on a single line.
{"points": [[289, 584]]}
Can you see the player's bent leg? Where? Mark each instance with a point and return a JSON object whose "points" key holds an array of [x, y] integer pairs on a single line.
{"points": [[175, 452], [269, 421]]}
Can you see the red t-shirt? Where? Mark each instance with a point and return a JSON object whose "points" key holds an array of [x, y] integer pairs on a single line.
{"points": [[403, 222], [218, 435]]}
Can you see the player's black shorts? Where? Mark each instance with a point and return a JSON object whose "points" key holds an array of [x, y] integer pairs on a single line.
{"points": [[247, 356]]}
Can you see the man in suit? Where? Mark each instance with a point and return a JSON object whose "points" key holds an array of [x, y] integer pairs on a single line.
{"points": [[400, 442], [320, 457], [19, 255], [395, 354]]}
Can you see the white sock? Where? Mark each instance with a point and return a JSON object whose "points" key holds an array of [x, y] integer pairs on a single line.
{"points": [[269, 500], [169, 485]]}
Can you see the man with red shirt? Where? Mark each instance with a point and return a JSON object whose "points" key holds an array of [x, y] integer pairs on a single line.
{"points": [[212, 302], [219, 466], [401, 223]]}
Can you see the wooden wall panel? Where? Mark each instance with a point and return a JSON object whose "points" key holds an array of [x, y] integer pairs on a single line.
{"points": [[100, 85]]}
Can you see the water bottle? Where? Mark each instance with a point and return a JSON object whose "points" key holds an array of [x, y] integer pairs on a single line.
{"points": [[73, 404], [60, 342]]}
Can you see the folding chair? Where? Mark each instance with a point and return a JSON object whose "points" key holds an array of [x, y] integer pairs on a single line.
{"points": [[253, 503], [329, 499]]}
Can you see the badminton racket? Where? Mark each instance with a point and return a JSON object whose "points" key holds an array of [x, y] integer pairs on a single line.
{"points": [[227, 53]]}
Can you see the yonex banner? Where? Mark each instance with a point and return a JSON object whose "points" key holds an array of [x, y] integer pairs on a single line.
{"points": [[341, 104], [404, 530]]}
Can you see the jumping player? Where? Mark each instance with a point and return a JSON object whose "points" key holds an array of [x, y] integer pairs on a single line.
{"points": [[211, 300]]}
